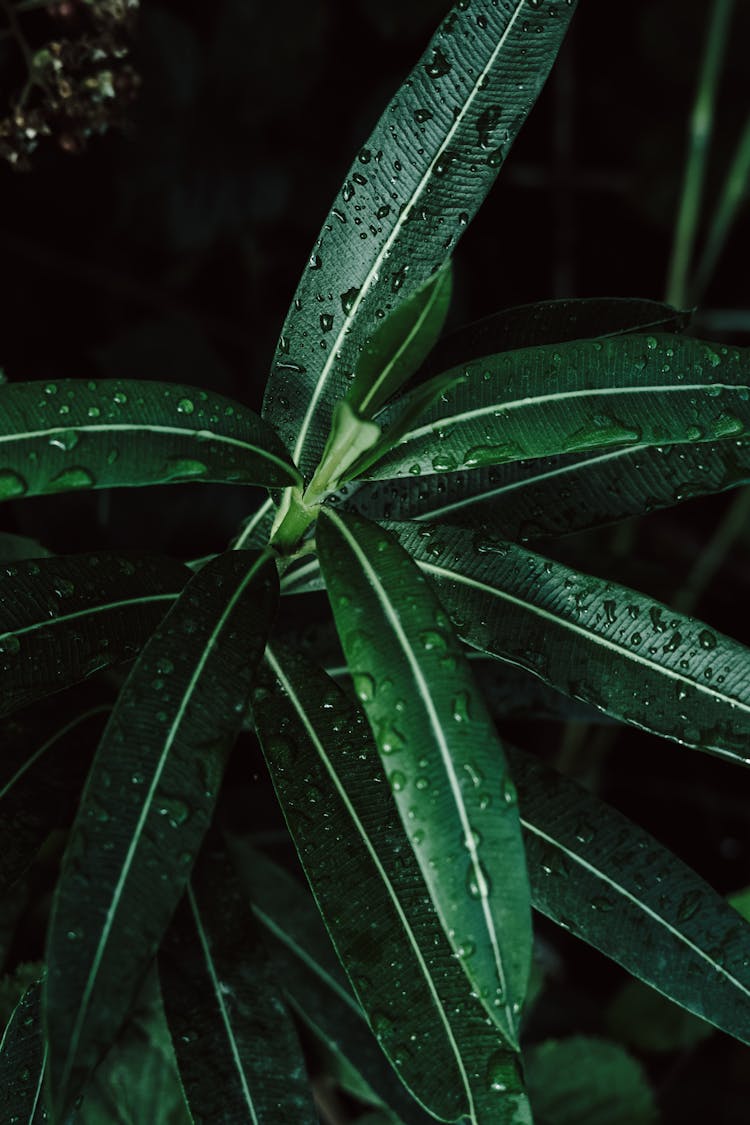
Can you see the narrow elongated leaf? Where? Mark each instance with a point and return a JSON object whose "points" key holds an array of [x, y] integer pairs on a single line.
{"points": [[575, 397], [63, 618], [146, 806], [554, 496], [397, 348], [552, 322], [314, 982], [441, 753], [43, 766], [611, 884], [22, 1063], [610, 646], [410, 192], [73, 434], [372, 896], [236, 1046]]}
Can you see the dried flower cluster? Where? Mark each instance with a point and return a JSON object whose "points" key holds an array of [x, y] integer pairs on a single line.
{"points": [[79, 80]]}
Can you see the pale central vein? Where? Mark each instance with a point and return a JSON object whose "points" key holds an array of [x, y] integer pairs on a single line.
{"points": [[385, 249]]}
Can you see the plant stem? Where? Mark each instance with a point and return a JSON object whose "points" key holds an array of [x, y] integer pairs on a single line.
{"points": [[732, 195], [701, 123], [712, 556]]}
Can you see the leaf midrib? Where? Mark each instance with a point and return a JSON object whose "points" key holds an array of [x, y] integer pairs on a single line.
{"points": [[604, 642], [147, 804], [385, 249], [312, 735], [88, 611], [216, 986], [585, 392], [424, 694]]}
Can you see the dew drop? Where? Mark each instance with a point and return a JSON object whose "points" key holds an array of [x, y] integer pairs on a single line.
{"points": [[364, 686], [74, 477], [477, 881], [438, 66], [460, 707], [11, 484], [397, 780], [185, 406], [65, 440]]}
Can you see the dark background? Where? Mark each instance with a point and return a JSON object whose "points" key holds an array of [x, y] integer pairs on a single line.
{"points": [[172, 250]]}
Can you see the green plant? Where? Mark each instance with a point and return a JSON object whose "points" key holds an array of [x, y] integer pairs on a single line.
{"points": [[425, 839]]}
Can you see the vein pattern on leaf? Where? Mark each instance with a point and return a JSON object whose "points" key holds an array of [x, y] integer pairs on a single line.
{"points": [[312, 734], [227, 1023], [425, 695], [147, 804]]}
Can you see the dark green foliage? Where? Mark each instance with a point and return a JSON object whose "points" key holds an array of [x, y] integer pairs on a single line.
{"points": [[403, 475]]}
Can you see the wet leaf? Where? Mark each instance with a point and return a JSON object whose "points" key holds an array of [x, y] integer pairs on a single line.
{"points": [[440, 752], [632, 390], [147, 805], [77, 434], [316, 986], [22, 1063], [63, 618], [238, 1052], [373, 898], [406, 200], [552, 322], [396, 349], [614, 886], [614, 648]]}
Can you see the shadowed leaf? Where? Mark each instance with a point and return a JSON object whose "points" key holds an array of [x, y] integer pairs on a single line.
{"points": [[147, 805]]}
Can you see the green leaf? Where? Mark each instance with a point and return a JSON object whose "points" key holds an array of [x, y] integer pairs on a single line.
{"points": [[411, 191], [63, 618], [397, 348], [146, 807], [372, 896], [22, 1063], [554, 496], [569, 398], [585, 1080], [552, 322], [138, 1080], [647, 1020], [15, 547], [236, 1046], [74, 434], [614, 648], [315, 984], [440, 752], [610, 883], [42, 770]]}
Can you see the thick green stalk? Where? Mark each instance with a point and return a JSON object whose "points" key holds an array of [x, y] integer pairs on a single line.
{"points": [[701, 123]]}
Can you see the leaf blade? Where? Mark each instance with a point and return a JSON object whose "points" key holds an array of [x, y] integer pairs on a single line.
{"points": [[664, 672], [674, 932], [23, 1058], [632, 390], [79, 434], [459, 157], [62, 618], [215, 976], [183, 730], [370, 581]]}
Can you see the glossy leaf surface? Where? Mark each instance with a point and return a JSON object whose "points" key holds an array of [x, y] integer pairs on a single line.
{"points": [[74, 434], [554, 496], [440, 751], [147, 805], [552, 322], [412, 189], [22, 1063], [613, 885], [305, 961], [43, 766], [238, 1052], [612, 647], [63, 618], [398, 347], [568, 398], [373, 898]]}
